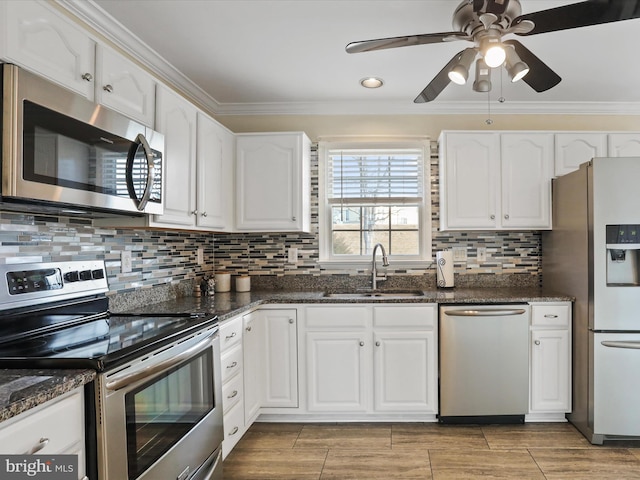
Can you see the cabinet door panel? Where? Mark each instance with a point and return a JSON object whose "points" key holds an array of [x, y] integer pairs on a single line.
{"points": [[405, 371], [469, 180], [573, 149], [281, 358], [526, 180], [624, 144], [550, 371], [337, 366]]}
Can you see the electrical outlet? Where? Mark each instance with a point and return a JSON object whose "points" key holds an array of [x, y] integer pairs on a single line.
{"points": [[125, 261], [200, 256], [292, 255], [459, 254], [482, 254]]}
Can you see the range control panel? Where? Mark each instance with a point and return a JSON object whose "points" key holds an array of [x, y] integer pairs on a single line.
{"points": [[34, 283]]}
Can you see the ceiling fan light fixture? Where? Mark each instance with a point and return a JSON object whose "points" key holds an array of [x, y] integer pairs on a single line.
{"points": [[493, 51], [483, 77], [516, 68], [460, 72], [371, 82]]}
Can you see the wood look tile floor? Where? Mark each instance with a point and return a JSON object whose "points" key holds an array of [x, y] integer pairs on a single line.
{"points": [[552, 451]]}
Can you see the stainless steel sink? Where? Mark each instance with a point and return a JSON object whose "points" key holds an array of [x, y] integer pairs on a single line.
{"points": [[377, 294]]}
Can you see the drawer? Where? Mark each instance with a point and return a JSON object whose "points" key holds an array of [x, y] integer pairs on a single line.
{"points": [[405, 316], [25, 432], [230, 333], [551, 315], [233, 428], [232, 392], [231, 363], [338, 316]]}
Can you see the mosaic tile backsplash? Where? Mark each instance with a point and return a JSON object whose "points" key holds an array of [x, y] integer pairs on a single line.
{"points": [[167, 260]]}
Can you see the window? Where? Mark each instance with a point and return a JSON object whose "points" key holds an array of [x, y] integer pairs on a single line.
{"points": [[374, 192]]}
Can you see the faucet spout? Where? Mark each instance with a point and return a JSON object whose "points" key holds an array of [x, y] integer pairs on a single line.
{"points": [[374, 270]]}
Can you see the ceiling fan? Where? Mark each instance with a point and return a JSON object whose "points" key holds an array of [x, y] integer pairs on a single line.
{"points": [[486, 22]]}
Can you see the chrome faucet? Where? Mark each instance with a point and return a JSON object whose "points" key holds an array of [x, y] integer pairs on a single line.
{"points": [[374, 271]]}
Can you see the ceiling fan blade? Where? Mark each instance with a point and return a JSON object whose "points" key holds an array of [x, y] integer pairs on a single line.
{"points": [[406, 41], [582, 14], [439, 82], [540, 77]]}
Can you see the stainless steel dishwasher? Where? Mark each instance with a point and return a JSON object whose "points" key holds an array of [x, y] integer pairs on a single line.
{"points": [[484, 363]]}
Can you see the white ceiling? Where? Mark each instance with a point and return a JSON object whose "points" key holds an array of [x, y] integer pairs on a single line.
{"points": [[288, 56]]}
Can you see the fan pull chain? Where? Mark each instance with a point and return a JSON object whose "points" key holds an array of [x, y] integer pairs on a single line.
{"points": [[501, 99], [488, 121]]}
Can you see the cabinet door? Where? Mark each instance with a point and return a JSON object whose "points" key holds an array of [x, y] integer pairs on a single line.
{"points": [[405, 371], [42, 40], [574, 149], [337, 367], [527, 162], [272, 182], [125, 87], [624, 144], [176, 119], [469, 181], [550, 367], [215, 149], [280, 359], [253, 366]]}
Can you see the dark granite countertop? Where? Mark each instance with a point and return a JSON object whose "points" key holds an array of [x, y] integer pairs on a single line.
{"points": [[227, 305], [23, 389]]}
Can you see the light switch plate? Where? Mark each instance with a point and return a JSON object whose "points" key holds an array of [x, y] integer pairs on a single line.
{"points": [[125, 261], [293, 255], [200, 256], [459, 254]]}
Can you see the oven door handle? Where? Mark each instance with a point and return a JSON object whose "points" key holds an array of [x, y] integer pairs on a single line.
{"points": [[192, 351]]}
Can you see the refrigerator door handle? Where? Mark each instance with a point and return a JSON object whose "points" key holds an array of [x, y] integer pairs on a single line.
{"points": [[629, 344]]}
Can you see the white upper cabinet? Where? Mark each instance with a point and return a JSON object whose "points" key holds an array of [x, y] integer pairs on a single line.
{"points": [[123, 86], [572, 149], [495, 181], [36, 36], [624, 144], [214, 184], [273, 182]]}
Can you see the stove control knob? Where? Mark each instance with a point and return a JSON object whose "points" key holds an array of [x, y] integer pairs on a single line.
{"points": [[85, 275], [97, 274], [72, 276]]}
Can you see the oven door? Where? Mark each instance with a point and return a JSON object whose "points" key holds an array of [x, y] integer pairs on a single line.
{"points": [[161, 415]]}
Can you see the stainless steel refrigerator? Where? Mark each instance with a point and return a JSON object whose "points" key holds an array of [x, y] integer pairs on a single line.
{"points": [[593, 253]]}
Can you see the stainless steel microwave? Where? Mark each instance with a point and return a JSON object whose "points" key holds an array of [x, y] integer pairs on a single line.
{"points": [[61, 151]]}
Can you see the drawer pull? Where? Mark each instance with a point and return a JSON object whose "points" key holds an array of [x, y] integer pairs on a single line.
{"points": [[38, 446], [234, 394], [234, 431], [231, 336], [234, 364], [550, 315], [537, 342], [248, 329]]}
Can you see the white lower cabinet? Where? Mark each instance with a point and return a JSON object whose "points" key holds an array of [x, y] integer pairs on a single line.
{"points": [[371, 359], [231, 367], [40, 431], [550, 363]]}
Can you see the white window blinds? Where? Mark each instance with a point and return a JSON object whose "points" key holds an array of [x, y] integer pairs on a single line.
{"points": [[375, 176]]}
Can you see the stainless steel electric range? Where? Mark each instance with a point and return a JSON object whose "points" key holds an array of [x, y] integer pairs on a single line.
{"points": [[155, 410]]}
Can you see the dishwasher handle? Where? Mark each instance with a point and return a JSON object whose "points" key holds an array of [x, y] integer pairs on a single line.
{"points": [[493, 312]]}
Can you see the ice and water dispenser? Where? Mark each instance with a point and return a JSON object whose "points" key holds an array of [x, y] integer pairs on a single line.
{"points": [[623, 255]]}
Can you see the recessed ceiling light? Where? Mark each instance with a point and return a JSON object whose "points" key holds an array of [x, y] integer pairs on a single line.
{"points": [[371, 82]]}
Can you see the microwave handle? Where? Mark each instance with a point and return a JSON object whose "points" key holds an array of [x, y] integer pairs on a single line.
{"points": [[141, 203]]}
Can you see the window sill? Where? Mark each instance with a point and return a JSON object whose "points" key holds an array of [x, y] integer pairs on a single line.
{"points": [[366, 265]]}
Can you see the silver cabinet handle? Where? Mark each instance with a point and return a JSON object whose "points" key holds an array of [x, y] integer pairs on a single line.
{"points": [[234, 431], [87, 76], [377, 344], [248, 329], [234, 364], [38, 446], [361, 343], [291, 320], [195, 212], [234, 394], [506, 217], [550, 315], [108, 88], [230, 336], [537, 342], [204, 214], [293, 218]]}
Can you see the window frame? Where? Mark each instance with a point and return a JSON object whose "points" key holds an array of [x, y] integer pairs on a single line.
{"points": [[326, 144]]}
